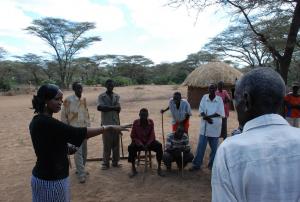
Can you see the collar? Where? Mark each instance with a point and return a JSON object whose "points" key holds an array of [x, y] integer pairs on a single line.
{"points": [[184, 135], [267, 119], [139, 122], [208, 99], [76, 98]]}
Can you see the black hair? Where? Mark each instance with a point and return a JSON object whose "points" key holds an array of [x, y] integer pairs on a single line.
{"points": [[108, 81], [144, 110], [266, 88], [44, 93], [177, 93], [76, 83]]}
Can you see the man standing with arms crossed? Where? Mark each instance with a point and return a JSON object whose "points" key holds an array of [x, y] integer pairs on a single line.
{"points": [[109, 105], [75, 113]]}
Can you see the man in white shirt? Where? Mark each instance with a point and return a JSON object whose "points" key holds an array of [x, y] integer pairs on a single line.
{"points": [[211, 110], [262, 163], [180, 110], [75, 113]]}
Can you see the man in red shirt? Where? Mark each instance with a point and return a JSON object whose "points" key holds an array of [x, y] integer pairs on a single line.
{"points": [[292, 106], [143, 139], [226, 101]]}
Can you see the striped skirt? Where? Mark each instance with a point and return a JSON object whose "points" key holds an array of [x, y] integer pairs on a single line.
{"points": [[50, 191]]}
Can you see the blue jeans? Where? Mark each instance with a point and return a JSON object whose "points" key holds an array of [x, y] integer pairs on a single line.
{"points": [[213, 143]]}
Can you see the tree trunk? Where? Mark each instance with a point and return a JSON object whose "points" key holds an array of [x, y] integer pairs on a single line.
{"points": [[284, 69], [285, 61]]}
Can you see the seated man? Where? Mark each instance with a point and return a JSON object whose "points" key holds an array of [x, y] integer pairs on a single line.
{"points": [[177, 143], [143, 139]]}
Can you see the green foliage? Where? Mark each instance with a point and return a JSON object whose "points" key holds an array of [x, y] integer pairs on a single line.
{"points": [[5, 85], [66, 38], [123, 81], [49, 81]]}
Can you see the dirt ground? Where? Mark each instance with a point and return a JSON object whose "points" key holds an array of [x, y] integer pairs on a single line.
{"points": [[17, 156]]}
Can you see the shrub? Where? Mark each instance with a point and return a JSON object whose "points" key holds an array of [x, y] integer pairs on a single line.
{"points": [[5, 85], [123, 81]]}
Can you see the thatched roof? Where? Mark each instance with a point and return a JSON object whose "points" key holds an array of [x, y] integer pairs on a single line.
{"points": [[212, 72]]}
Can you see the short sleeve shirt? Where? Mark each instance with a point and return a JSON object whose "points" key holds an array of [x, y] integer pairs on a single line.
{"points": [[224, 94], [293, 100]]}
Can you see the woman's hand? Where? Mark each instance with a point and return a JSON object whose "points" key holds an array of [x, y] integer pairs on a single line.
{"points": [[117, 128]]}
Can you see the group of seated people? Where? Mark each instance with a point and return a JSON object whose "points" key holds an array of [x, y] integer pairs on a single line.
{"points": [[143, 139]]}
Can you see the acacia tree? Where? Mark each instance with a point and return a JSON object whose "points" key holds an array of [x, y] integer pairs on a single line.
{"points": [[194, 60], [238, 43], [33, 64], [254, 11], [66, 38], [2, 53]]}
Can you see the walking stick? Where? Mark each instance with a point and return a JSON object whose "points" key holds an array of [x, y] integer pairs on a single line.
{"points": [[121, 137], [163, 131], [181, 163]]}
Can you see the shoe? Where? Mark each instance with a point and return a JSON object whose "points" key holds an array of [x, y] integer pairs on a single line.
{"points": [[116, 165], [133, 173], [82, 179], [105, 167], [160, 173], [86, 173], [193, 169]]}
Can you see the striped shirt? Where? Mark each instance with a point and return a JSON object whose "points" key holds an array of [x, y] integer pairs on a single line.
{"points": [[177, 144]]}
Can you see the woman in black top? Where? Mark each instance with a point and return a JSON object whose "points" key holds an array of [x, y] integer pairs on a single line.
{"points": [[49, 138]]}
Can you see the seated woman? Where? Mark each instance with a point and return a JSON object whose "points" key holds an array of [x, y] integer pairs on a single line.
{"points": [[143, 139], [50, 137]]}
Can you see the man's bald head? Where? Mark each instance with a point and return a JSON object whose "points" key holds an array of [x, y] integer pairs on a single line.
{"points": [[260, 91]]}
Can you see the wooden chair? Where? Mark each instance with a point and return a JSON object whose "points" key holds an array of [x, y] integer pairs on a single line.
{"points": [[143, 159]]}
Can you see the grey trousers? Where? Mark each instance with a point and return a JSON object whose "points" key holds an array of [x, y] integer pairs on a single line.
{"points": [[111, 143], [80, 158]]}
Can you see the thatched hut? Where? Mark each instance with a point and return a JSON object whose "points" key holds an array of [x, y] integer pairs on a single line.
{"points": [[213, 72]]}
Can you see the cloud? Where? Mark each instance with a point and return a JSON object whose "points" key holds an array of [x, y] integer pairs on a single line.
{"points": [[106, 17], [127, 27]]}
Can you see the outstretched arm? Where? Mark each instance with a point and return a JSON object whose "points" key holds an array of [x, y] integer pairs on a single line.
{"points": [[92, 132]]}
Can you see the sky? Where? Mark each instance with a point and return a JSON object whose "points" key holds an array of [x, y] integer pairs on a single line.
{"points": [[127, 27]]}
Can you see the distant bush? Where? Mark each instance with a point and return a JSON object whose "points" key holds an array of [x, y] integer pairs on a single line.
{"points": [[91, 82], [101, 80], [123, 81], [5, 85], [48, 81], [161, 80]]}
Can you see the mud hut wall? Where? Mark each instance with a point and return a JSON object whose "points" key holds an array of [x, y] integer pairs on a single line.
{"points": [[195, 95]]}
